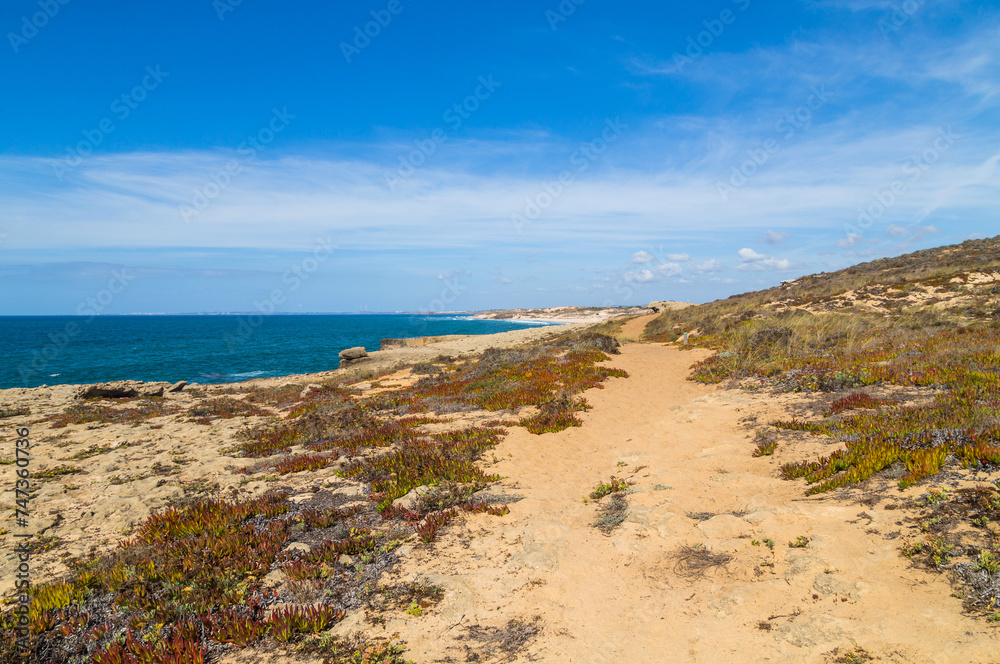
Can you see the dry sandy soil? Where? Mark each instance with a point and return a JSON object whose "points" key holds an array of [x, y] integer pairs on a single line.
{"points": [[630, 598], [579, 595]]}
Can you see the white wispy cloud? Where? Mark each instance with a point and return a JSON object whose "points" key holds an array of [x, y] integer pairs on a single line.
{"points": [[711, 265], [642, 257], [757, 262], [658, 182], [658, 273]]}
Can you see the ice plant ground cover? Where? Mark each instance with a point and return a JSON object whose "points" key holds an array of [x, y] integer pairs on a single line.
{"points": [[187, 585]]}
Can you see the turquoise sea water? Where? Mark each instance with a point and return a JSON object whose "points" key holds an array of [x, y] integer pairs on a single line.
{"points": [[202, 349]]}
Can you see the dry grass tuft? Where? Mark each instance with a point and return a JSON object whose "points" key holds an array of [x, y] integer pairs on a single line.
{"points": [[697, 561]]}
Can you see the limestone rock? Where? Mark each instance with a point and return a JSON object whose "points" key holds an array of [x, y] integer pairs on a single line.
{"points": [[410, 499], [351, 356], [177, 387], [120, 389], [829, 584], [724, 527], [355, 353]]}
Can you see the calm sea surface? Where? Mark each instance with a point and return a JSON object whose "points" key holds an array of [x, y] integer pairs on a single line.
{"points": [[201, 349]]}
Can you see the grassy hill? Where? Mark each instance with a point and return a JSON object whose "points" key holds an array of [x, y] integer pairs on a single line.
{"points": [[910, 349], [943, 285]]}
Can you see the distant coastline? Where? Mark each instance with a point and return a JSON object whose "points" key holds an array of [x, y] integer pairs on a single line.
{"points": [[218, 348], [550, 314]]}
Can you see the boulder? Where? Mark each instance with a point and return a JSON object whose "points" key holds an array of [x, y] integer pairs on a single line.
{"points": [[177, 387], [350, 363], [120, 389], [355, 353], [351, 356], [152, 389]]}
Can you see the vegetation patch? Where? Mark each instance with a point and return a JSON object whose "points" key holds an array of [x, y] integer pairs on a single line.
{"points": [[403, 597], [226, 408], [554, 416], [855, 656], [58, 471], [957, 540], [510, 379], [10, 411], [855, 401], [766, 444], [187, 587], [607, 488], [448, 457], [503, 643], [92, 451], [84, 413], [697, 561], [336, 650], [612, 513], [310, 462]]}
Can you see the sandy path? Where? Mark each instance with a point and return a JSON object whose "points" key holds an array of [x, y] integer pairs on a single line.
{"points": [[623, 598], [632, 330]]}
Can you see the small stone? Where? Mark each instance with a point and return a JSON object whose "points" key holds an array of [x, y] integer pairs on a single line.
{"points": [[410, 499]]}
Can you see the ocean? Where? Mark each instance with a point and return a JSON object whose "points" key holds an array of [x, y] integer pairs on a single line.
{"points": [[50, 350]]}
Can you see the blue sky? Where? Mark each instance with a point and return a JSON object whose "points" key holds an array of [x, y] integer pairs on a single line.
{"points": [[232, 156]]}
